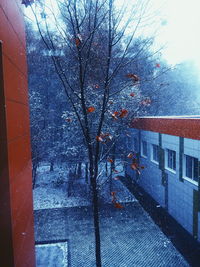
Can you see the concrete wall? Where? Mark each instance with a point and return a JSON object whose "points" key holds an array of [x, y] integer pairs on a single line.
{"points": [[16, 206], [169, 188]]}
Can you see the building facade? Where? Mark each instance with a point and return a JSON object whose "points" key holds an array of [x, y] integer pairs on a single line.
{"points": [[16, 205], [169, 149]]}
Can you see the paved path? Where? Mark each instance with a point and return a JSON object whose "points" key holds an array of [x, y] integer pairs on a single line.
{"points": [[129, 237]]}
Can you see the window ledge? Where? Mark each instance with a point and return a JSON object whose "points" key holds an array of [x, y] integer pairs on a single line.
{"points": [[144, 156], [156, 162], [191, 181], [170, 170]]}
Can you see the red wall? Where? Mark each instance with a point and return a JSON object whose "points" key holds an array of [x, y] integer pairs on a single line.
{"points": [[184, 127], [16, 206]]}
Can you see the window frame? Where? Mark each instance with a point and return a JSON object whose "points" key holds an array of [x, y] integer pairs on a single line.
{"points": [[153, 146], [142, 149], [185, 176], [167, 167]]}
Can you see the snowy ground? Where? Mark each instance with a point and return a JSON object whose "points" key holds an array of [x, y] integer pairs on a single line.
{"points": [[53, 189], [129, 237]]}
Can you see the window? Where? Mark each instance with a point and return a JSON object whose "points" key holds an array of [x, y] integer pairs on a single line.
{"points": [[191, 168], [144, 149], [155, 153], [171, 159]]}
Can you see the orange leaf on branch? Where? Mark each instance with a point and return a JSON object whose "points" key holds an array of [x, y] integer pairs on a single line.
{"points": [[91, 109], [104, 137], [123, 113], [110, 160], [68, 119], [118, 205], [99, 138], [157, 65], [113, 193], [134, 166], [132, 94], [115, 114], [130, 155], [77, 41], [132, 76]]}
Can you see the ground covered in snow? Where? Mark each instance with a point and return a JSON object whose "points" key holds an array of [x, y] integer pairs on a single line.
{"points": [[64, 229], [56, 189]]}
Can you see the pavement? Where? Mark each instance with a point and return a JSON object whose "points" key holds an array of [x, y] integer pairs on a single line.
{"points": [[129, 237]]}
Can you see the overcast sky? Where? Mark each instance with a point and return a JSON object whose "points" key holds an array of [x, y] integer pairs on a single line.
{"points": [[179, 22], [180, 30]]}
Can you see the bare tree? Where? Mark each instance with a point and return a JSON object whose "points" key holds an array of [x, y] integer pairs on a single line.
{"points": [[95, 50]]}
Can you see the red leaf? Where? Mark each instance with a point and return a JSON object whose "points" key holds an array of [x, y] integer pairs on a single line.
{"points": [[132, 94], [99, 138], [115, 114], [130, 155], [90, 109], [118, 205], [133, 76], [123, 113], [134, 166], [77, 41], [113, 193], [68, 119], [110, 160], [157, 65]]}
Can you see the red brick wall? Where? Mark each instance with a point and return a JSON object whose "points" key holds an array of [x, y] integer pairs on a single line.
{"points": [[16, 206], [184, 127]]}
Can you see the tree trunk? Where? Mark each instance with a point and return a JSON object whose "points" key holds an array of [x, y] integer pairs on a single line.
{"points": [[51, 166], [86, 173], [106, 169], [79, 173], [96, 221]]}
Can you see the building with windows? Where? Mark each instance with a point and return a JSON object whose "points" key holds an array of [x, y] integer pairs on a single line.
{"points": [[169, 149]]}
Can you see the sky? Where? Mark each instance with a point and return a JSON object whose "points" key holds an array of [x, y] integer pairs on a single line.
{"points": [[178, 25], [178, 22], [180, 30]]}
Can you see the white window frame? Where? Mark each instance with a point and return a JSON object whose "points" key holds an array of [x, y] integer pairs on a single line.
{"points": [[152, 153], [167, 167], [142, 149], [189, 179]]}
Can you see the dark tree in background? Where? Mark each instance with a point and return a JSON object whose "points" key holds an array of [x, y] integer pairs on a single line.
{"points": [[47, 102]]}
